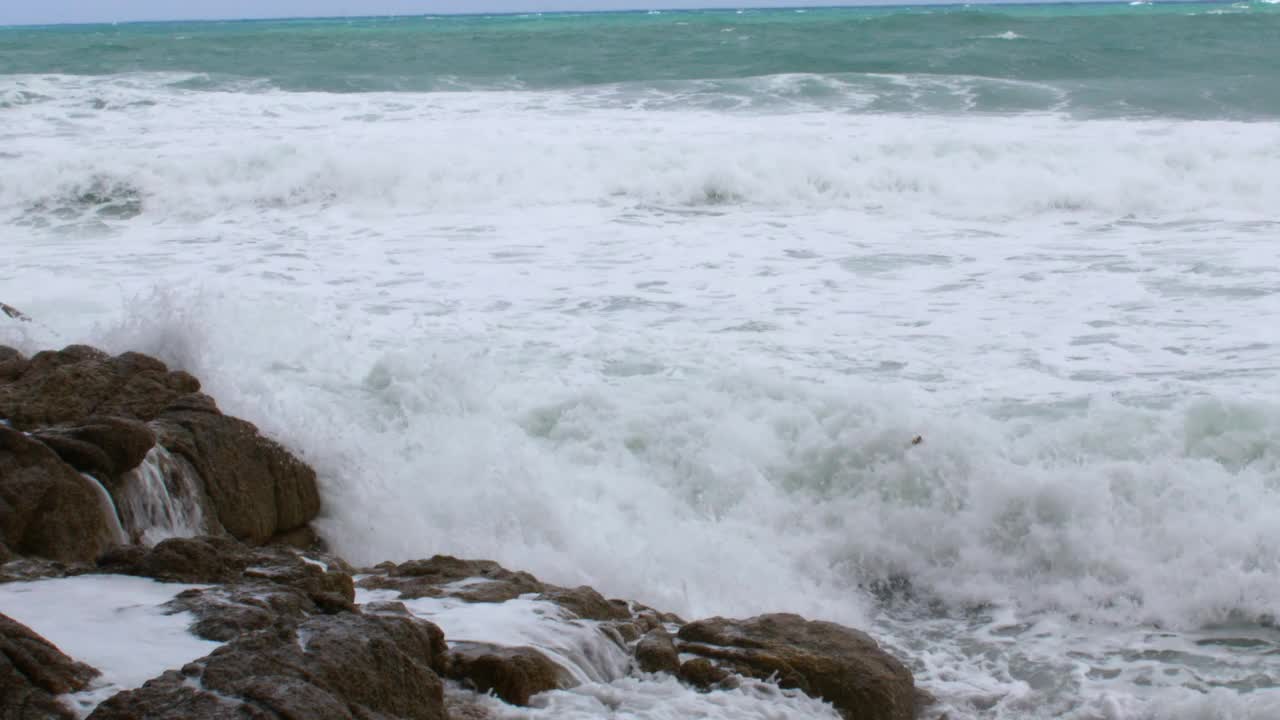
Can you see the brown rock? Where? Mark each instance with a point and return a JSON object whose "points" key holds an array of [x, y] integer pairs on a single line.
{"points": [[258, 587], [125, 442], [47, 509], [337, 666], [193, 402], [446, 569], [12, 363], [187, 560], [213, 559], [702, 673], [628, 631], [512, 673], [824, 660], [168, 698], [225, 612], [465, 706], [585, 603], [33, 568], [286, 567], [656, 652], [303, 538], [94, 410], [386, 607], [33, 673], [258, 487], [429, 578], [70, 385], [83, 456]]}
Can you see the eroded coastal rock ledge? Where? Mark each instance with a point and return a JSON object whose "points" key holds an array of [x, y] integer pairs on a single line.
{"points": [[119, 466]]}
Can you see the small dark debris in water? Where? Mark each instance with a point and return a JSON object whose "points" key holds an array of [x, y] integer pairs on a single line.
{"points": [[917, 440], [895, 587], [14, 313]]}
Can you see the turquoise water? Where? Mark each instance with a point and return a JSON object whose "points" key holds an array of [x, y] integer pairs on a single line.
{"points": [[1178, 60]]}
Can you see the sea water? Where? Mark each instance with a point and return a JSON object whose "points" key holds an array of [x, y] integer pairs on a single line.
{"points": [[658, 303]]}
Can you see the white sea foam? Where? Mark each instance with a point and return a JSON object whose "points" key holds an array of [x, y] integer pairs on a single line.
{"points": [[604, 684], [458, 152], [680, 355], [576, 645], [111, 622], [664, 698]]}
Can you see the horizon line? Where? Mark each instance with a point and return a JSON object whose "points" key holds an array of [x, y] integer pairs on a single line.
{"points": [[619, 11]]}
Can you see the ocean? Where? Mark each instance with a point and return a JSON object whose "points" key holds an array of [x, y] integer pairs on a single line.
{"points": [[658, 302]]}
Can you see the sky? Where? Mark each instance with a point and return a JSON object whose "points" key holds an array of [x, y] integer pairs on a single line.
{"points": [[18, 12]]}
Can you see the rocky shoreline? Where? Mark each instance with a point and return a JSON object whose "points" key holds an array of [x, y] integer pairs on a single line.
{"points": [[118, 466]]}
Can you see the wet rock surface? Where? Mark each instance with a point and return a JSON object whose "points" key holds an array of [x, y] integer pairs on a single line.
{"points": [[338, 666], [103, 445], [47, 509], [102, 415], [78, 382], [514, 674], [838, 664], [296, 641], [656, 652], [257, 487], [254, 587], [33, 673]]}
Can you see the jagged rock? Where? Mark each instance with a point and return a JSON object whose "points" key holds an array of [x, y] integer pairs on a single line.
{"points": [[333, 666], [225, 612], [33, 672], [514, 674], [629, 632], [47, 509], [69, 385], [303, 538], [33, 568], [80, 455], [194, 402], [12, 363], [702, 673], [432, 578], [386, 607], [441, 575], [259, 587], [106, 446], [464, 706], [586, 603], [258, 487], [214, 559], [168, 698], [842, 666], [186, 560], [640, 621], [445, 569], [94, 410], [656, 652]]}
